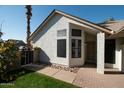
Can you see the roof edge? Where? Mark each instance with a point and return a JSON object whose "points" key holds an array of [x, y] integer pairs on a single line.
{"points": [[42, 24], [86, 22]]}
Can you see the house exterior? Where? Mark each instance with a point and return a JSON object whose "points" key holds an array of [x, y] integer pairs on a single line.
{"points": [[72, 41]]}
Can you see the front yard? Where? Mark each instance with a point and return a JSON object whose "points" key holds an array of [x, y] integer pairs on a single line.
{"points": [[31, 79]]}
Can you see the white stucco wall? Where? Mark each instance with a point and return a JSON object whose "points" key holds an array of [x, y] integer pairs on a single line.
{"points": [[118, 53], [47, 40]]}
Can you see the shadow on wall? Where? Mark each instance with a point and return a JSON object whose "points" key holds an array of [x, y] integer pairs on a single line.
{"points": [[40, 56], [44, 58], [46, 27]]}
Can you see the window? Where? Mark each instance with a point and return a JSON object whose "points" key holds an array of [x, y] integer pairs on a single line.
{"points": [[76, 48], [61, 33], [61, 48], [76, 32]]}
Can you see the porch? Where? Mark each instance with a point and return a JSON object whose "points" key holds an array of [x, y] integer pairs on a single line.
{"points": [[94, 47], [88, 78]]}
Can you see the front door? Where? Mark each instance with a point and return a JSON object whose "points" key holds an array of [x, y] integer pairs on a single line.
{"points": [[110, 51]]}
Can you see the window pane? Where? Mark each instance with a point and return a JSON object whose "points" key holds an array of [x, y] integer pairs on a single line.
{"points": [[79, 48], [73, 43], [61, 48], [73, 52], [61, 32], [79, 43], [76, 32], [79, 52], [76, 48]]}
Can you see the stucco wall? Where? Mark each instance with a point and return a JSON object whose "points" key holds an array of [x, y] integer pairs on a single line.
{"points": [[47, 40], [90, 37], [90, 48], [118, 53]]}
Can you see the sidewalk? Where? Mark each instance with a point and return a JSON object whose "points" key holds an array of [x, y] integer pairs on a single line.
{"points": [[65, 76], [85, 77], [58, 74]]}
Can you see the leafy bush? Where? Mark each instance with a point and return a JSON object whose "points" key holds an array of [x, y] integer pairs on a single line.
{"points": [[12, 75], [9, 56]]}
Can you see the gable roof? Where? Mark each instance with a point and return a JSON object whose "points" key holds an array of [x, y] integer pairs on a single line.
{"points": [[86, 22], [116, 25]]}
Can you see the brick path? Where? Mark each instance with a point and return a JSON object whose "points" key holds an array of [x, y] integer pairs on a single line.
{"points": [[85, 77]]}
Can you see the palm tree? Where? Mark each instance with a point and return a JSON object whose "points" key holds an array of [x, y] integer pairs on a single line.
{"points": [[29, 14], [0, 36], [1, 33]]}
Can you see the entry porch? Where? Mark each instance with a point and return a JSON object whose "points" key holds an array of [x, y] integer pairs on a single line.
{"points": [[89, 45]]}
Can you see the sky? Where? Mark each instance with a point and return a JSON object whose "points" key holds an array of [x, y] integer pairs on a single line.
{"points": [[13, 17]]}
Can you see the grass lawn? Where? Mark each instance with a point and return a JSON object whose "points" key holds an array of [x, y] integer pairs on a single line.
{"points": [[34, 80]]}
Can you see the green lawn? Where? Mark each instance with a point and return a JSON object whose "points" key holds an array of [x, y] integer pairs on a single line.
{"points": [[35, 80]]}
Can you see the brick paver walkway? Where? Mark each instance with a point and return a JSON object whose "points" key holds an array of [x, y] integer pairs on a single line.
{"points": [[85, 77]]}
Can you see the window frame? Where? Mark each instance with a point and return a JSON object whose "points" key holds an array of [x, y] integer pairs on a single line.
{"points": [[78, 48], [76, 35], [60, 31], [58, 55]]}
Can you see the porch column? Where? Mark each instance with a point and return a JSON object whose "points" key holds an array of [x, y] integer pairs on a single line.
{"points": [[100, 52]]}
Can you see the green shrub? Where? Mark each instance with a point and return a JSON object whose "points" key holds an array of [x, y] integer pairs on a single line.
{"points": [[9, 56]]}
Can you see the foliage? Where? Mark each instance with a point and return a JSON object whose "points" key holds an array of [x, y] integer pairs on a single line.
{"points": [[9, 56]]}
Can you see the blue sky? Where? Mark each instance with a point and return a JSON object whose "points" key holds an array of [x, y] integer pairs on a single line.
{"points": [[14, 18]]}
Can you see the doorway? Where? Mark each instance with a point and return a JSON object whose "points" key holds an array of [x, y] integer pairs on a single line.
{"points": [[110, 51]]}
